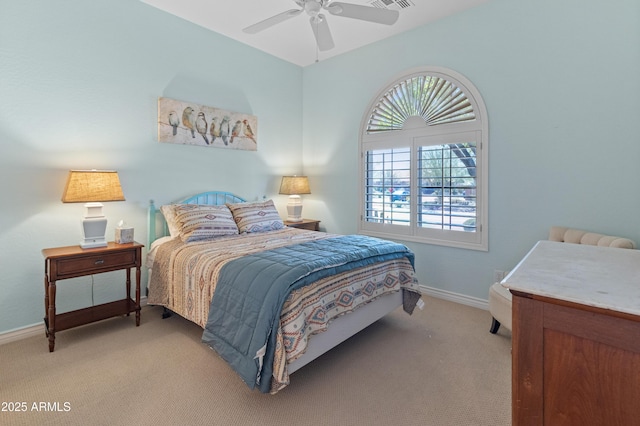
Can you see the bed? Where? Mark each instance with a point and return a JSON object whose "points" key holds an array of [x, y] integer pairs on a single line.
{"points": [[270, 298]]}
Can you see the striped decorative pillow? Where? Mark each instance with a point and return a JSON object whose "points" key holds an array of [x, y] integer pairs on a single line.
{"points": [[256, 217], [201, 222]]}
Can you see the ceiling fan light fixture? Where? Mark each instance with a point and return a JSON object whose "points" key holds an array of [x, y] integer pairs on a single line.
{"points": [[319, 19]]}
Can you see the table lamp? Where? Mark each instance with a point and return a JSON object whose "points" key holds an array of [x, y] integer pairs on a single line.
{"points": [[293, 186], [93, 187]]}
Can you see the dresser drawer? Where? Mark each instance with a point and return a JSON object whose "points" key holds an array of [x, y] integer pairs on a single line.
{"points": [[90, 264]]}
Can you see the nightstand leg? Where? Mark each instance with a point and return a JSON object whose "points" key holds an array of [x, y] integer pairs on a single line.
{"points": [[51, 291], [128, 272], [46, 303], [137, 297]]}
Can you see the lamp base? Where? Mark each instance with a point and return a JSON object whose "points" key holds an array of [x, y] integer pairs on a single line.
{"points": [[294, 209], [87, 244], [94, 229]]}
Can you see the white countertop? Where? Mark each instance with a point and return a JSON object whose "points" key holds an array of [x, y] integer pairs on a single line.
{"points": [[603, 277]]}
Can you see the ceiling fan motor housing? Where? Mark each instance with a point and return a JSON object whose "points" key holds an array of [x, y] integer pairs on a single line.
{"points": [[312, 7]]}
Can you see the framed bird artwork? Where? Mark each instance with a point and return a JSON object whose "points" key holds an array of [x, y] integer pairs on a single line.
{"points": [[188, 123]]}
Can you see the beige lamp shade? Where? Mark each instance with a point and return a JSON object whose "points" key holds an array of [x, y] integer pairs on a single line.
{"points": [[85, 186], [294, 185]]}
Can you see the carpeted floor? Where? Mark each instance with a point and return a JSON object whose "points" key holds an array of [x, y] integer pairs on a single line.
{"points": [[440, 366]]}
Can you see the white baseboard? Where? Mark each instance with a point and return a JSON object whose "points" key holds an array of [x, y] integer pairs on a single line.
{"points": [[34, 330], [22, 333], [455, 297]]}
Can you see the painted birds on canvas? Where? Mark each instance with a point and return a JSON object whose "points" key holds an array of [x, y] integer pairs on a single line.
{"points": [[174, 122], [248, 131], [188, 120], [235, 132], [224, 130], [214, 130], [201, 126]]}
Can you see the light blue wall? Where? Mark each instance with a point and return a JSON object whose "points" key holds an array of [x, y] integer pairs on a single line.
{"points": [[79, 83], [560, 80]]}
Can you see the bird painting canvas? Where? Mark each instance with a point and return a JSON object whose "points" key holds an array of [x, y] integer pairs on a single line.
{"points": [[188, 123]]}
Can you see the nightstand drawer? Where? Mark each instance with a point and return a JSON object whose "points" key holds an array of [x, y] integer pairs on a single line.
{"points": [[98, 262], [309, 224]]}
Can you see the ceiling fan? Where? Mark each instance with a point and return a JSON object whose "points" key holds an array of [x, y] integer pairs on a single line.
{"points": [[318, 21]]}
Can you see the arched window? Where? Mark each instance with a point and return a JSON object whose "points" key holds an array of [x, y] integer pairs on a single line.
{"points": [[424, 154]]}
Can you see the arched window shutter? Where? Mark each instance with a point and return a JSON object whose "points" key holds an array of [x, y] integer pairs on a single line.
{"points": [[434, 99]]}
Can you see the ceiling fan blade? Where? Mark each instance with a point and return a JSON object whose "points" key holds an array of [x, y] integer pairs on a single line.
{"points": [[269, 22], [321, 30], [365, 13]]}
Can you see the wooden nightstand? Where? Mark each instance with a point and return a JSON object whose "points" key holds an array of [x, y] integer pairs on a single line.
{"points": [[311, 225], [73, 261]]}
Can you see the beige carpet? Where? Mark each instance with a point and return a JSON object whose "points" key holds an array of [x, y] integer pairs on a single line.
{"points": [[440, 366]]}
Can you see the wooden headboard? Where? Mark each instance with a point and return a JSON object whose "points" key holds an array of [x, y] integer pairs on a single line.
{"points": [[158, 226]]}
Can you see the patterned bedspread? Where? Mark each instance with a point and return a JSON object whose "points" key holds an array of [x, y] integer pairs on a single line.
{"points": [[184, 278], [309, 310]]}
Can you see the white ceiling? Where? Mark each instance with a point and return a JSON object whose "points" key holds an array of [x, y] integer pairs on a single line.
{"points": [[293, 39]]}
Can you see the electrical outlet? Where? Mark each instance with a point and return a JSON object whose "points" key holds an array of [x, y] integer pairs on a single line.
{"points": [[498, 275]]}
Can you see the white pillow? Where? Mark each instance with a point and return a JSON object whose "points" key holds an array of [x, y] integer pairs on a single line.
{"points": [[169, 214], [256, 217], [200, 222]]}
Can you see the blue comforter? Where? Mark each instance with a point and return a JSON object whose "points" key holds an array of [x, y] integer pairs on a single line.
{"points": [[245, 310]]}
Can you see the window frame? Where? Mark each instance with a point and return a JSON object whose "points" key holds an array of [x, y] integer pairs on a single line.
{"points": [[413, 135]]}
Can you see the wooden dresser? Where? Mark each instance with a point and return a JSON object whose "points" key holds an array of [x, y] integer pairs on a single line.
{"points": [[576, 336]]}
